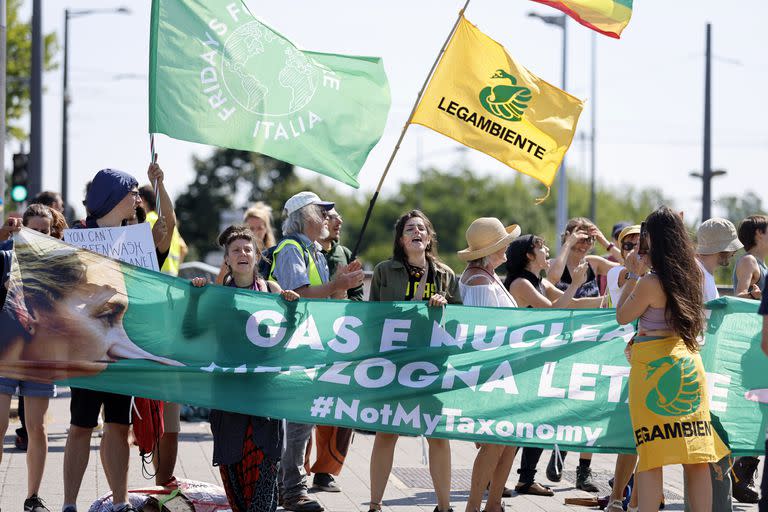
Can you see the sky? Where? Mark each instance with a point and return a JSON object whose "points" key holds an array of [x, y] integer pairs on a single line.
{"points": [[649, 92]]}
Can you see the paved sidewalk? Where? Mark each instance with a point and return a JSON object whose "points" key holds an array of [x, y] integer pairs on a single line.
{"points": [[408, 489]]}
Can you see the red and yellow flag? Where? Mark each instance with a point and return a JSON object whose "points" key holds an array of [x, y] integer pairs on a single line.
{"points": [[609, 17]]}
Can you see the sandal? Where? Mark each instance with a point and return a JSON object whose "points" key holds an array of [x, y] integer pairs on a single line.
{"points": [[533, 488]]}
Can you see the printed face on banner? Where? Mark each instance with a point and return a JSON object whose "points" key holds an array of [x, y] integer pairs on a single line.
{"points": [[67, 319]]}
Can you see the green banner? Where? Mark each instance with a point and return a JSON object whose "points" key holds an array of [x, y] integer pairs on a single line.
{"points": [[219, 76], [514, 376]]}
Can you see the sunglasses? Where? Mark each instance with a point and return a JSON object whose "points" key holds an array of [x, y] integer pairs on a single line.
{"points": [[628, 246]]}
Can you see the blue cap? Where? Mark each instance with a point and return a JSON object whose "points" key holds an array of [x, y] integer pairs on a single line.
{"points": [[108, 188]]}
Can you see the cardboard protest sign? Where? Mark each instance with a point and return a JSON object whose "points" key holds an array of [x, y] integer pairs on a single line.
{"points": [[130, 244]]}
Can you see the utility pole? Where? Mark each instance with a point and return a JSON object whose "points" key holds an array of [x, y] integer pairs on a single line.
{"points": [[3, 65], [36, 102], [706, 169], [593, 184]]}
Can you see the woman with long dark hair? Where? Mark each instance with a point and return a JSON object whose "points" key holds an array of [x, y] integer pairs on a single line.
{"points": [[414, 273], [667, 382]]}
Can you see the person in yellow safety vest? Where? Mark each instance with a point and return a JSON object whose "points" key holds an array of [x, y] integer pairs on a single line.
{"points": [[298, 265], [178, 250]]}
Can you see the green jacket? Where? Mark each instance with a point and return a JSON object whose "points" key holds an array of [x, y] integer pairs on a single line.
{"points": [[340, 255], [390, 280]]}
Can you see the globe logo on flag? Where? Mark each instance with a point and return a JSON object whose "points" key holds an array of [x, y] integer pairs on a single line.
{"points": [[253, 48], [505, 101], [676, 390]]}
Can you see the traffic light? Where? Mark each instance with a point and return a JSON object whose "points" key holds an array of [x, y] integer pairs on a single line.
{"points": [[20, 177]]}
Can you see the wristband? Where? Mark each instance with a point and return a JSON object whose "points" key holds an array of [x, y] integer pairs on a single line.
{"points": [[610, 246]]}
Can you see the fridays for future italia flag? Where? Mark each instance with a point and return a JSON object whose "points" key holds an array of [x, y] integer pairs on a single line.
{"points": [[608, 17], [219, 76], [482, 97]]}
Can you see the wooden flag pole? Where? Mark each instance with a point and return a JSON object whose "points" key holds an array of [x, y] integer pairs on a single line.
{"points": [[402, 133]]}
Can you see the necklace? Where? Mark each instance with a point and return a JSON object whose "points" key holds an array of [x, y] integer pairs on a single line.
{"points": [[414, 271]]}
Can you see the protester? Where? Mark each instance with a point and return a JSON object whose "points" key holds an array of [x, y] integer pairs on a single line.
{"points": [[578, 241], [414, 273], [112, 198], [617, 277], [177, 250], [246, 448], [527, 257], [668, 303], [627, 240], [487, 241], [717, 242], [748, 282], [763, 506], [36, 394], [750, 269], [50, 199], [259, 219], [611, 254], [332, 443], [298, 265]]}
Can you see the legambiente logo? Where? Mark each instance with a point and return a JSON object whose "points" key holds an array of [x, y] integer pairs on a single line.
{"points": [[676, 389], [505, 101]]}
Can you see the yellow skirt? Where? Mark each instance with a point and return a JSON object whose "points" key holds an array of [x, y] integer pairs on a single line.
{"points": [[669, 406]]}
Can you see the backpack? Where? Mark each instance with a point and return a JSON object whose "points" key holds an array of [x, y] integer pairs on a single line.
{"points": [[148, 428]]}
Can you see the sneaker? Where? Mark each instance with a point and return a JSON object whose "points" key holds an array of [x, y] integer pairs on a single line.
{"points": [[325, 482], [555, 467], [34, 504], [584, 480], [20, 443], [302, 503], [615, 506]]}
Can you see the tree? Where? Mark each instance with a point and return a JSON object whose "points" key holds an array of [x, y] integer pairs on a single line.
{"points": [[738, 208], [219, 179], [19, 67]]}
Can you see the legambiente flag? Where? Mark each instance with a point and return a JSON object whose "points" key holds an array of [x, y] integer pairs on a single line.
{"points": [[219, 76], [483, 98], [608, 17]]}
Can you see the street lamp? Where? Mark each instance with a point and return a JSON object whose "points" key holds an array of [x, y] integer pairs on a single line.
{"points": [[65, 99], [706, 198], [561, 211]]}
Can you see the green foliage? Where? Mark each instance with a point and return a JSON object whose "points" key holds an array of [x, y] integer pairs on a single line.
{"points": [[216, 184], [19, 67], [451, 200]]}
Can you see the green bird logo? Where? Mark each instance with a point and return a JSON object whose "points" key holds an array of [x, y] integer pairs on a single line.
{"points": [[676, 390], [505, 101]]}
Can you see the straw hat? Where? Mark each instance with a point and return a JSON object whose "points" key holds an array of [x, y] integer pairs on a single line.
{"points": [[628, 230], [485, 236], [717, 235]]}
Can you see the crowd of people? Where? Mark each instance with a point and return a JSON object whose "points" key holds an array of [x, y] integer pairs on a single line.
{"points": [[651, 272]]}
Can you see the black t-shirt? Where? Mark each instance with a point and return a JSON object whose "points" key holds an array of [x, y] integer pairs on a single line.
{"points": [[413, 283]]}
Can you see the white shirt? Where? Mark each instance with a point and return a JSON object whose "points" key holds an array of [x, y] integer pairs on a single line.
{"points": [[492, 294], [710, 287], [613, 284]]}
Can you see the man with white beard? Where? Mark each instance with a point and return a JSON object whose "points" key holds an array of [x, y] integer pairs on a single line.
{"points": [[298, 265]]}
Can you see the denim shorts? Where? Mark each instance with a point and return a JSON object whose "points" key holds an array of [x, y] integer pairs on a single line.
{"points": [[26, 388]]}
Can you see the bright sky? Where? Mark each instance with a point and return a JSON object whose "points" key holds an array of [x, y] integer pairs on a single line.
{"points": [[649, 92]]}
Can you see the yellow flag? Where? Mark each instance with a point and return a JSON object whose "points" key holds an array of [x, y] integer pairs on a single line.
{"points": [[483, 98]]}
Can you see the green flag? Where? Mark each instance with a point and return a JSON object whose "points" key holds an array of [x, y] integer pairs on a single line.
{"points": [[219, 76]]}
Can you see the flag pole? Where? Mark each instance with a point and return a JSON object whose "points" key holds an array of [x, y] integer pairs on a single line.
{"points": [[375, 196]]}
